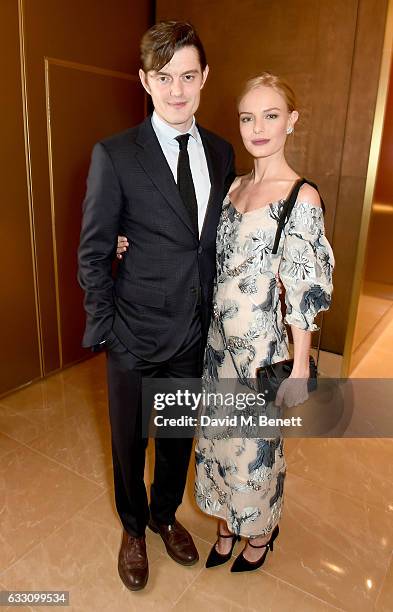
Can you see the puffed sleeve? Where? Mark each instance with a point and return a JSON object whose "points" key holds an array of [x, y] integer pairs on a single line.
{"points": [[306, 266]]}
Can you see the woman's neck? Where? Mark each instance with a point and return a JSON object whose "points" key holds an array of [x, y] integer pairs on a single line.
{"points": [[270, 168]]}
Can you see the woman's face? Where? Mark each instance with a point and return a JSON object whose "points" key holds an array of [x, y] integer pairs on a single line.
{"points": [[264, 121]]}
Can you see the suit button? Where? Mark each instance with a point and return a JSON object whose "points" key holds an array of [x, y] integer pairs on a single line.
{"points": [[200, 250]]}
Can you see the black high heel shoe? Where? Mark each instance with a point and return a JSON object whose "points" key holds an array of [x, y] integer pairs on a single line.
{"points": [[241, 564], [215, 558]]}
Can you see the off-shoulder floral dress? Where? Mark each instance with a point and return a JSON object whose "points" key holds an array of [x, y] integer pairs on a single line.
{"points": [[241, 479]]}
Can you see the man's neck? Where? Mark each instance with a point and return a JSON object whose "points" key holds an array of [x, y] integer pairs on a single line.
{"points": [[182, 128]]}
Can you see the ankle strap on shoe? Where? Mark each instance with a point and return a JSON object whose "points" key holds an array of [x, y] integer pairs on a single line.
{"points": [[256, 546]]}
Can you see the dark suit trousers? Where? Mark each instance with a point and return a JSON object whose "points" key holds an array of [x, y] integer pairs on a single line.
{"points": [[172, 455]]}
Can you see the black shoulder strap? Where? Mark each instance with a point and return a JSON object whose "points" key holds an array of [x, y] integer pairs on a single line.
{"points": [[288, 207]]}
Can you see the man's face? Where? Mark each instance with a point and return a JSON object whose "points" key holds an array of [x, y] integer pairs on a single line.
{"points": [[176, 88]]}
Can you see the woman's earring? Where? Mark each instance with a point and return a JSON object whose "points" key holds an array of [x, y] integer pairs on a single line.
{"points": [[290, 130]]}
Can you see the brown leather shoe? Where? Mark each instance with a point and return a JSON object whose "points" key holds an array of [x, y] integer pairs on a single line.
{"points": [[133, 566], [178, 542]]}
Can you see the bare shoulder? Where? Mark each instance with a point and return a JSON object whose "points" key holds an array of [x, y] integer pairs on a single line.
{"points": [[236, 183], [309, 194]]}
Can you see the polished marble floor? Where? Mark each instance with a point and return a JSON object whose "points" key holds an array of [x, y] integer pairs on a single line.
{"points": [[59, 529]]}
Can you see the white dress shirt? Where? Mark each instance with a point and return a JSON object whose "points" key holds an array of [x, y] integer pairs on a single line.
{"points": [[200, 173]]}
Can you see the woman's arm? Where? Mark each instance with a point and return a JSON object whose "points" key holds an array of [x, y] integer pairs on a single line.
{"points": [[306, 272], [301, 345], [294, 389], [122, 246]]}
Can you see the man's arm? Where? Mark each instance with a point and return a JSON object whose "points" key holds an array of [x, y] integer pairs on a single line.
{"points": [[100, 226]]}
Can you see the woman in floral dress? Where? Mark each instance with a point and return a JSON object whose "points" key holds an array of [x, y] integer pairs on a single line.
{"points": [[240, 480]]}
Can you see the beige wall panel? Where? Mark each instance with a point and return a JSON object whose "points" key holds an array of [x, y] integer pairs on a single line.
{"points": [[364, 85], [300, 40], [118, 102], [241, 45], [101, 34], [335, 32], [324, 49], [357, 137], [346, 232], [19, 347]]}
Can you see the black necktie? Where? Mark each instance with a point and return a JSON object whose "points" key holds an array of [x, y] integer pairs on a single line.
{"points": [[185, 182]]}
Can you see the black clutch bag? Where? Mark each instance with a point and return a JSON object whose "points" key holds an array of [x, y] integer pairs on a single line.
{"points": [[270, 377]]}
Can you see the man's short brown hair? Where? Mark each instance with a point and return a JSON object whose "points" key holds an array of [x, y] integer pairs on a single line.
{"points": [[162, 40]]}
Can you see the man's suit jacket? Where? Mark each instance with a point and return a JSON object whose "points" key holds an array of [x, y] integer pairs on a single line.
{"points": [[150, 302]]}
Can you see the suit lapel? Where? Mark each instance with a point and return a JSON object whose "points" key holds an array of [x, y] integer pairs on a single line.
{"points": [[213, 164], [153, 161]]}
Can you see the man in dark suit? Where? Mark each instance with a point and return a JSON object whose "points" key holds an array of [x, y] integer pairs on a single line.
{"points": [[161, 184]]}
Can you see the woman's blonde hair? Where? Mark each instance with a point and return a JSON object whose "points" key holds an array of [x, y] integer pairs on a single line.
{"points": [[266, 79]]}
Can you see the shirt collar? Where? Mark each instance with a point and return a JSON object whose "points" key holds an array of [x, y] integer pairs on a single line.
{"points": [[169, 133]]}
